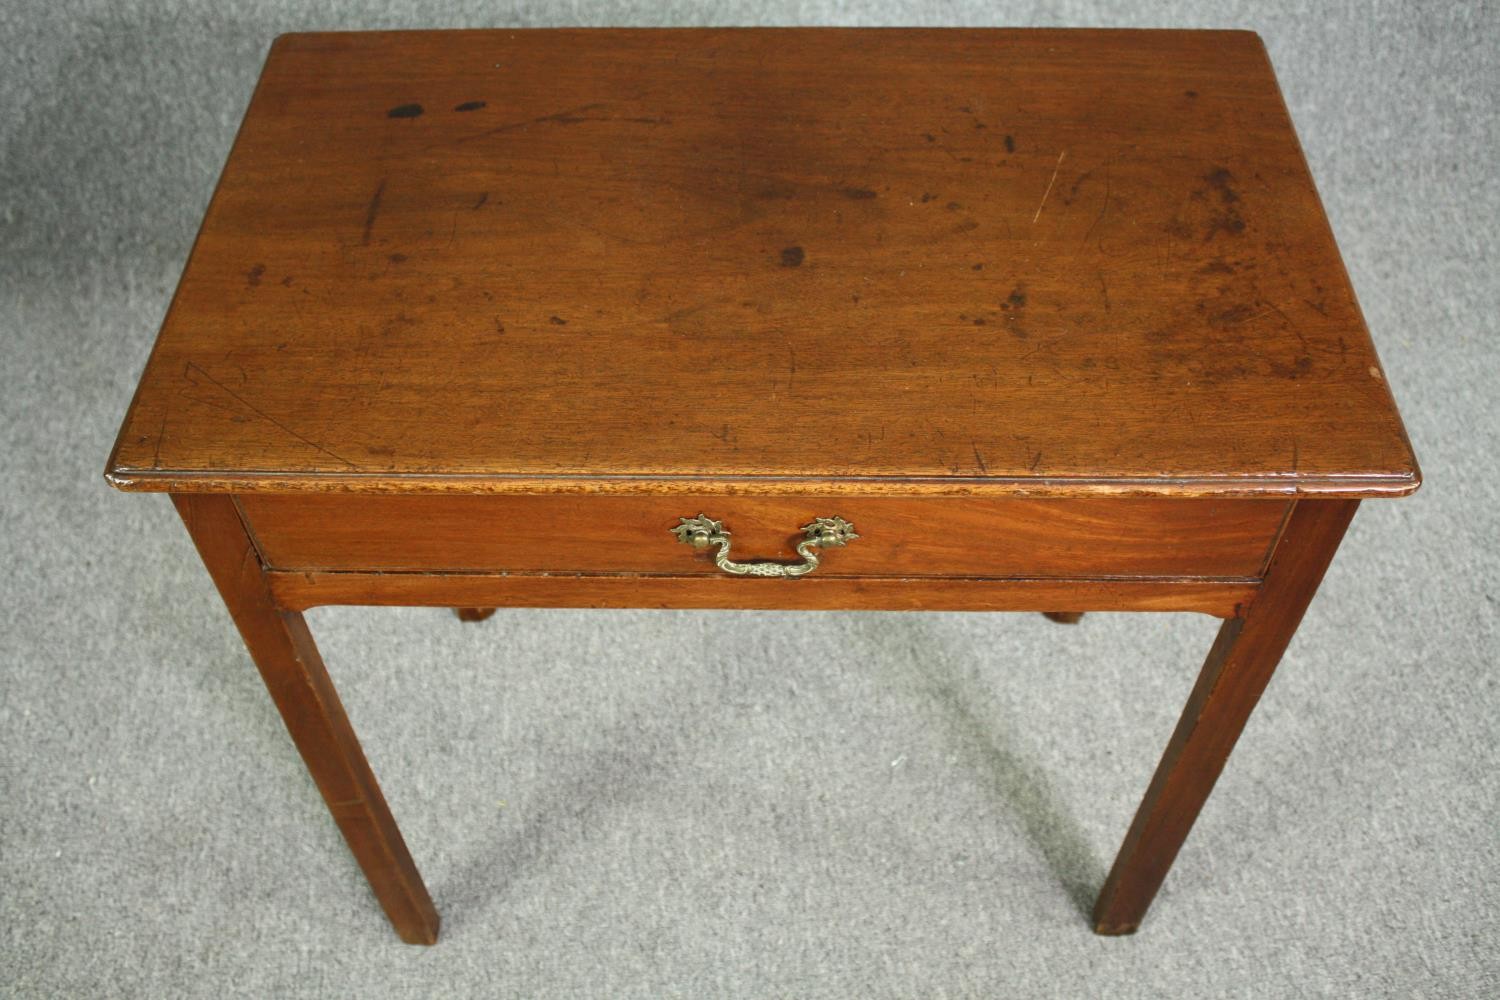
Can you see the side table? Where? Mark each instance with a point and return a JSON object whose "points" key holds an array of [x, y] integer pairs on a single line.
{"points": [[1010, 320]]}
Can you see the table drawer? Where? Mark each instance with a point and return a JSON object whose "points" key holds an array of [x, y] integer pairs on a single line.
{"points": [[898, 536]]}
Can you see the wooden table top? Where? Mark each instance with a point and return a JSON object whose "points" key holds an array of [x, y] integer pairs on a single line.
{"points": [[1050, 263]]}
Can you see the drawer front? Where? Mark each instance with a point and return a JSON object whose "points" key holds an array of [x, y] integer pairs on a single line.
{"points": [[898, 536]]}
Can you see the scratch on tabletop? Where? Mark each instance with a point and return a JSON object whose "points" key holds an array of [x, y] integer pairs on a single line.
{"points": [[1047, 192], [567, 116], [979, 459], [683, 313], [250, 562], [1104, 208], [192, 367], [161, 432]]}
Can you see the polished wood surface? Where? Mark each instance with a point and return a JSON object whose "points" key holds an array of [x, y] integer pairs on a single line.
{"points": [[958, 536], [1238, 667], [282, 648], [1027, 262]]}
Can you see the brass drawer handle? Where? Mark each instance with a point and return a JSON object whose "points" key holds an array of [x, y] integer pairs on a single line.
{"points": [[824, 532]]}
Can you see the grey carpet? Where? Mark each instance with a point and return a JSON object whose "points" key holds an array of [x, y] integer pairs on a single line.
{"points": [[734, 804]]}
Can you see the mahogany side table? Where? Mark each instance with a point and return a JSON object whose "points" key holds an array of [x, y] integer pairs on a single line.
{"points": [[796, 318]]}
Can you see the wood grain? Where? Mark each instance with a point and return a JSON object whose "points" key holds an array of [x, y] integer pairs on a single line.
{"points": [[1238, 668], [288, 659], [1054, 263], [932, 536]]}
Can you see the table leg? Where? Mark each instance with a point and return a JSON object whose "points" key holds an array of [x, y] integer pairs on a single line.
{"points": [[473, 614], [283, 649], [1064, 617], [1237, 670]]}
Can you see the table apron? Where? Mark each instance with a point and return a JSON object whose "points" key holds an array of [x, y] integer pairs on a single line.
{"points": [[905, 538]]}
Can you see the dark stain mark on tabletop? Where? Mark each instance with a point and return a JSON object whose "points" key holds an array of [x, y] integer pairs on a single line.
{"points": [[470, 106], [1232, 316], [1179, 229], [397, 258], [678, 315], [482, 199], [557, 321], [858, 194], [398, 325], [792, 257], [1226, 222], [1189, 93], [405, 111], [1228, 218], [1071, 194], [371, 211], [1014, 307], [1218, 179], [1301, 366], [1010, 144], [253, 276]]}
